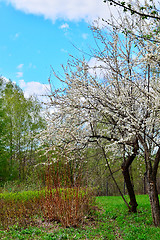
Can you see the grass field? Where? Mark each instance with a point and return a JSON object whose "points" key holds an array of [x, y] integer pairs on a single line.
{"points": [[110, 221]]}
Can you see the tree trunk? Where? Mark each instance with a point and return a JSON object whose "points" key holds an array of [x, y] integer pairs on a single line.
{"points": [[154, 200], [144, 184], [151, 176], [125, 170], [107, 188], [130, 189], [124, 188], [152, 188]]}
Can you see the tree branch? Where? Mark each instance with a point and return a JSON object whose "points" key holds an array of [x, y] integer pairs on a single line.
{"points": [[133, 11]]}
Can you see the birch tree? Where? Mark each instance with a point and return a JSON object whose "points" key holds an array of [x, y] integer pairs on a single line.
{"points": [[20, 121]]}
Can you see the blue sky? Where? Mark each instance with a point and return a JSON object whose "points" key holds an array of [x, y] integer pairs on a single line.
{"points": [[37, 34]]}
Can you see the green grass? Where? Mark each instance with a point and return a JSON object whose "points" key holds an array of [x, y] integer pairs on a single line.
{"points": [[112, 221], [28, 195], [127, 225], [24, 195]]}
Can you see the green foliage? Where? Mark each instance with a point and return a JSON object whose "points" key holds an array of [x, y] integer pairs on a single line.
{"points": [[3, 152], [24, 196], [20, 121]]}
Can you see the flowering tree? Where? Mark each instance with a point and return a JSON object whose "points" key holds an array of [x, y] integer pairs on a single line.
{"points": [[145, 35], [114, 104], [146, 10]]}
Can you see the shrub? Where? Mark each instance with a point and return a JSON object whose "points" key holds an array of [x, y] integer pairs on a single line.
{"points": [[69, 206], [62, 200], [18, 212]]}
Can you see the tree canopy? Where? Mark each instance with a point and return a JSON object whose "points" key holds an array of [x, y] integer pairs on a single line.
{"points": [[20, 121]]}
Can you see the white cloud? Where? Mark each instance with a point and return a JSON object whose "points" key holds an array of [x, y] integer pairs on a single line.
{"points": [[64, 26], [19, 74], [34, 88], [22, 84], [20, 66], [63, 9]]}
